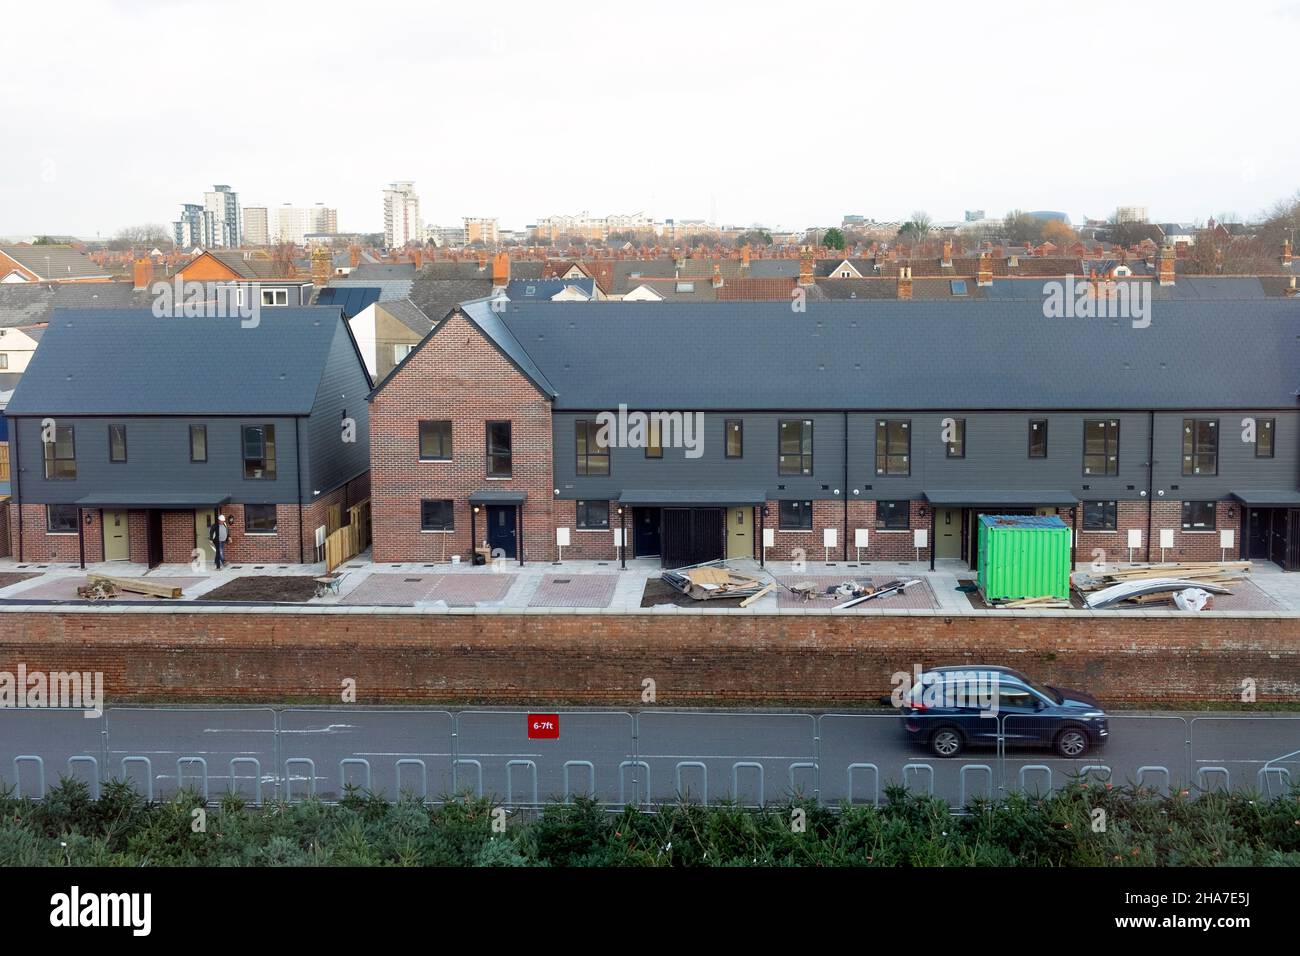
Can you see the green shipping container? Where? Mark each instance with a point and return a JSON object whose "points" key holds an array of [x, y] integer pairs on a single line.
{"points": [[1023, 556]]}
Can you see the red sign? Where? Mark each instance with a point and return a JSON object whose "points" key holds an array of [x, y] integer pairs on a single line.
{"points": [[543, 726]]}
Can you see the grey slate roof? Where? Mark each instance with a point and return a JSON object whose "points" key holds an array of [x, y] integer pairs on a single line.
{"points": [[383, 270], [881, 355], [389, 289], [128, 362], [437, 297], [30, 303], [55, 263]]}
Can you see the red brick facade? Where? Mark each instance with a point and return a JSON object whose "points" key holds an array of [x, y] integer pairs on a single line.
{"points": [[694, 659], [457, 375], [179, 538]]}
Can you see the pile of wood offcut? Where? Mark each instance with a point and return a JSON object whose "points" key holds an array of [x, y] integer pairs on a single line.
{"points": [[712, 580], [1148, 584]]}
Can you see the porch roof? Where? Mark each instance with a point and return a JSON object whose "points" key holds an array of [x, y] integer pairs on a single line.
{"points": [[998, 498], [693, 497], [151, 500], [1269, 499]]}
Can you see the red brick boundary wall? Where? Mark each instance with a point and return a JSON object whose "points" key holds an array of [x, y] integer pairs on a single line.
{"points": [[603, 659]]}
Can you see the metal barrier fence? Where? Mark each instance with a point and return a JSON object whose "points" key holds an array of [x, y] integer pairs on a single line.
{"points": [[619, 758]]}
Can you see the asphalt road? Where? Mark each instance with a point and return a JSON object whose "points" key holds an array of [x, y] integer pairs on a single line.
{"points": [[654, 755]]}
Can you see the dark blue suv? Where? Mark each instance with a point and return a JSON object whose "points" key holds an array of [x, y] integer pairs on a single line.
{"points": [[950, 708]]}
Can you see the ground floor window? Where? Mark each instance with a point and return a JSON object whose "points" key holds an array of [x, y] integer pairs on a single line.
{"points": [[1099, 515], [437, 515], [796, 516], [259, 519], [61, 519], [1198, 515], [893, 515], [593, 514]]}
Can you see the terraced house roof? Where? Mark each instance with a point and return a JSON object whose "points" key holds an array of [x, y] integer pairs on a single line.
{"points": [[129, 362], [917, 355]]}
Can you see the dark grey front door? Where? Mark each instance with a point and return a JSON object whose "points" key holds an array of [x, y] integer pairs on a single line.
{"points": [[645, 532]]}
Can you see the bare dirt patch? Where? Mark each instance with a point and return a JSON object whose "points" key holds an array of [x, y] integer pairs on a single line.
{"points": [[283, 588]]}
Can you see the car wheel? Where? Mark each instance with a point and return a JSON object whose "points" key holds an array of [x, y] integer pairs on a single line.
{"points": [[946, 742], [1072, 742]]}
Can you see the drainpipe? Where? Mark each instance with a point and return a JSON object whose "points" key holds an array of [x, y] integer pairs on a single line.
{"points": [[844, 489], [16, 472], [762, 532], [1151, 480], [622, 538], [297, 444], [81, 537], [519, 527]]}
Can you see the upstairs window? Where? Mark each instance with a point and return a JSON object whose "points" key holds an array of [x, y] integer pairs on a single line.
{"points": [[734, 430], [956, 447], [117, 443], [273, 297], [435, 441], [655, 443], [499, 464], [198, 443], [1200, 446], [61, 454], [593, 456], [1101, 447], [1038, 438], [893, 447], [795, 447], [1264, 430], [259, 452]]}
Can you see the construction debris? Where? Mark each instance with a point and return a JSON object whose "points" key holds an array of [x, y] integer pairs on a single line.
{"points": [[711, 580], [1035, 602], [1216, 572], [1133, 590], [136, 586], [1194, 599], [97, 591], [872, 593]]}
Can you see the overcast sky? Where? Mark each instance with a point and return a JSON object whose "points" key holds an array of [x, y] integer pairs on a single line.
{"points": [[789, 114]]}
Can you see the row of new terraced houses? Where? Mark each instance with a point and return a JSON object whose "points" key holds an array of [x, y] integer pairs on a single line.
{"points": [[866, 430]]}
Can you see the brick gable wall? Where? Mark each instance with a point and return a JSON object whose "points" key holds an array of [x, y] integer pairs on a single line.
{"points": [[457, 375]]}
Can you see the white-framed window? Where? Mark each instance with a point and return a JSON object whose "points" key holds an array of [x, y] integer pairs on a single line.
{"points": [[274, 297]]}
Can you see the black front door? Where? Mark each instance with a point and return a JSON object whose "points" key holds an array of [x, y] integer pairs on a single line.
{"points": [[1261, 534], [501, 530], [155, 537], [645, 532]]}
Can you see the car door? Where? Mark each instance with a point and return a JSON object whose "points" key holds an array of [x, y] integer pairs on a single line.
{"points": [[1018, 712]]}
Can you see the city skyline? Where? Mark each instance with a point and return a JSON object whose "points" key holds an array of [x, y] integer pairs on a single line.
{"points": [[790, 128]]}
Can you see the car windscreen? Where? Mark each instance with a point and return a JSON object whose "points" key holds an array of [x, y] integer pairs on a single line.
{"points": [[1045, 691]]}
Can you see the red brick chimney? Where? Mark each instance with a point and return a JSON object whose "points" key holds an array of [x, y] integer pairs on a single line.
{"points": [[501, 270], [1165, 266], [905, 282], [1286, 252], [482, 261], [744, 255], [806, 276], [354, 255], [320, 265], [143, 273], [984, 277], [418, 258], [947, 254], [717, 277]]}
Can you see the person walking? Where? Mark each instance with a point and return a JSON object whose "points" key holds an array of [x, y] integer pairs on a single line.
{"points": [[219, 534]]}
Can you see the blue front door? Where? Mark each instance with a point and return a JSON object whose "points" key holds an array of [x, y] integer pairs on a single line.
{"points": [[501, 534]]}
